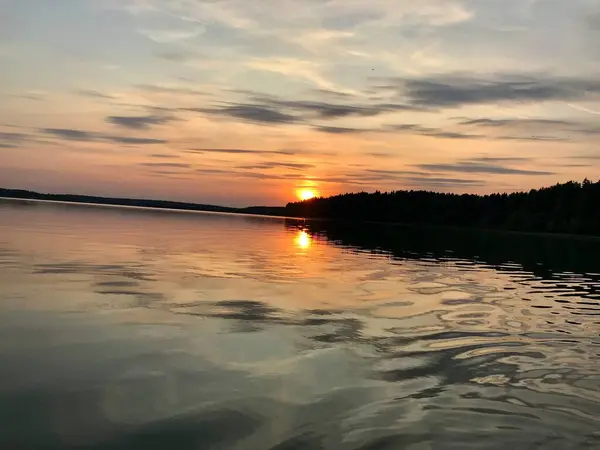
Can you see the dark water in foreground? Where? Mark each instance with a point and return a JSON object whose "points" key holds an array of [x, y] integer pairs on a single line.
{"points": [[140, 329]]}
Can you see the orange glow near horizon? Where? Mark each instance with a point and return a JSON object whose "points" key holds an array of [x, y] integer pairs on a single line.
{"points": [[307, 193]]}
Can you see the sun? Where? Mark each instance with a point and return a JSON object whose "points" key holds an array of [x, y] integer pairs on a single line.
{"points": [[306, 193]]}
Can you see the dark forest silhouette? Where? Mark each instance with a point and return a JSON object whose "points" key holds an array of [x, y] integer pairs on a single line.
{"points": [[571, 207]]}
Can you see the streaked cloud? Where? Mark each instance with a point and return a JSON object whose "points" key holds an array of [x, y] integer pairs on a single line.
{"points": [[89, 136], [166, 164], [10, 140], [139, 122], [479, 167], [459, 90], [241, 151]]}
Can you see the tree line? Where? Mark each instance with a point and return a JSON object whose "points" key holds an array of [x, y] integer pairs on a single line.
{"points": [[571, 207]]}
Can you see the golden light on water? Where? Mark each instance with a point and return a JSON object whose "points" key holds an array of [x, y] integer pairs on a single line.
{"points": [[303, 240], [307, 193]]}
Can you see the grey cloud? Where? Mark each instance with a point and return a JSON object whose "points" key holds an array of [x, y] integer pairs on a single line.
{"points": [[350, 20], [431, 132], [241, 151], [499, 123], [341, 130], [177, 56], [156, 89], [163, 156], [394, 172], [494, 159], [69, 134], [593, 20], [11, 140], [30, 96], [139, 122], [534, 138], [250, 113], [245, 174], [477, 167], [445, 181], [87, 136], [453, 135], [590, 157], [169, 174], [273, 165], [381, 155], [592, 131], [522, 129], [94, 94], [335, 110], [260, 108], [204, 170], [178, 165], [537, 129], [452, 91], [134, 140]]}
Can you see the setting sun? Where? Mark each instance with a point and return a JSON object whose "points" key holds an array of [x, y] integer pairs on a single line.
{"points": [[306, 194]]}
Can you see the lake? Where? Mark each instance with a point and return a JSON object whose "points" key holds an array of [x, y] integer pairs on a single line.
{"points": [[130, 328]]}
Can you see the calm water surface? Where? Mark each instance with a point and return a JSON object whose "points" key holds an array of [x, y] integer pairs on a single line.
{"points": [[125, 328]]}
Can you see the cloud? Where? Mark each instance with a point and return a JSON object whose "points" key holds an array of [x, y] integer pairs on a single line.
{"points": [[166, 164], [87, 136], [11, 140], [250, 113], [534, 138], [536, 129], [394, 173], [70, 134], [273, 165], [179, 56], [478, 167], [511, 123], [431, 132], [458, 90], [134, 140], [341, 130], [589, 157], [163, 156], [245, 174], [307, 70], [94, 94], [160, 89], [381, 155], [139, 122], [272, 110], [169, 36], [593, 20], [323, 110], [239, 151], [445, 181], [494, 159]]}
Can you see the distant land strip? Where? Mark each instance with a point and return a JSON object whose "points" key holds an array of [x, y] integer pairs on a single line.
{"points": [[567, 208], [143, 203]]}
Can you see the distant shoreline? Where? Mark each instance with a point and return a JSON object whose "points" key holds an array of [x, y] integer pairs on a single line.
{"points": [[18, 194], [281, 212]]}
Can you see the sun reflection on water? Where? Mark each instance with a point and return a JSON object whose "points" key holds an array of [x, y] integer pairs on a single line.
{"points": [[303, 240]]}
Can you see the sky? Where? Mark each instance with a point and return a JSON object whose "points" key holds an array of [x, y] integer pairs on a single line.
{"points": [[239, 102]]}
